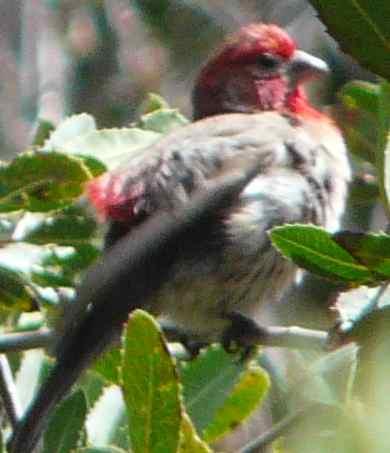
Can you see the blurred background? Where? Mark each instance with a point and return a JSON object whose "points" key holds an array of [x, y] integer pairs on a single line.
{"points": [[59, 57]]}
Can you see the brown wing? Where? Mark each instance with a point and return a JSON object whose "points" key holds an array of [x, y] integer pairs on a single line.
{"points": [[167, 173]]}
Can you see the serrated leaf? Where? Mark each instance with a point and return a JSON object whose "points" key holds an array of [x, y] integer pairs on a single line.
{"points": [[69, 129], [111, 146], [14, 292], [207, 382], [314, 249], [246, 396], [153, 102], [151, 387], [370, 249], [361, 28], [65, 428], [190, 442], [162, 121], [60, 229], [108, 365], [41, 181], [43, 130]]}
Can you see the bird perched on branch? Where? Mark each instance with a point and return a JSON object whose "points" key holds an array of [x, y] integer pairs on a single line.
{"points": [[250, 109]]}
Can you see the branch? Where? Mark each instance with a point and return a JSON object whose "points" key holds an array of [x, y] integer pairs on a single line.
{"points": [[277, 430], [292, 337], [275, 336], [8, 392], [26, 340]]}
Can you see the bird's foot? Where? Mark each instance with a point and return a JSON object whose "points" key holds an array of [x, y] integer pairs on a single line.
{"points": [[243, 335]]}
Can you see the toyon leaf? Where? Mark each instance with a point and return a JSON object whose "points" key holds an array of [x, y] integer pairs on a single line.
{"points": [[383, 153], [43, 130], [153, 102], [69, 129], [61, 229], [246, 396], [314, 249], [371, 250], [361, 27], [207, 382], [162, 121], [111, 146], [358, 118], [190, 442], [66, 426], [15, 294], [108, 366], [100, 450], [41, 181], [151, 388]]}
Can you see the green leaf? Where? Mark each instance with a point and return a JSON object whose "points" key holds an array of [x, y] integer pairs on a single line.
{"points": [[246, 396], [358, 117], [162, 121], [190, 442], [15, 294], [41, 181], [111, 146], [65, 429], [42, 132], [153, 102], [69, 129], [383, 159], [370, 249], [71, 259], [151, 387], [100, 450], [315, 250], [108, 366], [207, 382], [361, 28], [60, 229], [361, 95]]}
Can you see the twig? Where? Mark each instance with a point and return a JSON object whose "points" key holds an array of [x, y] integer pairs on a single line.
{"points": [[292, 337], [9, 393], [276, 431], [26, 340], [277, 336]]}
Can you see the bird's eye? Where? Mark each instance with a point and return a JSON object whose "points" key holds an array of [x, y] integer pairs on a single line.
{"points": [[268, 61]]}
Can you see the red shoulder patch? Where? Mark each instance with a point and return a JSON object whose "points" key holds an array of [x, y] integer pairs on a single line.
{"points": [[113, 198]]}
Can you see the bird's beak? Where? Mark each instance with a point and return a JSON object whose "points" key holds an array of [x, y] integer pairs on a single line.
{"points": [[304, 66]]}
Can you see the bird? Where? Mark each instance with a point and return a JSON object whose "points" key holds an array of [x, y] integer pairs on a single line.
{"points": [[250, 111]]}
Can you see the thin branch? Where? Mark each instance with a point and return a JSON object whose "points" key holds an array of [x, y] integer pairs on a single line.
{"points": [[8, 392], [277, 430], [276, 336], [26, 340], [293, 337]]}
